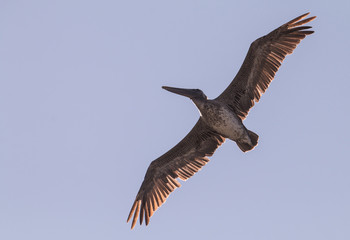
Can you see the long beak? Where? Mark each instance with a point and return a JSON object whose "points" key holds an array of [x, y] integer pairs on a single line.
{"points": [[182, 91]]}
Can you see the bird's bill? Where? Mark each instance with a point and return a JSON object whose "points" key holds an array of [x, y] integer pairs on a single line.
{"points": [[182, 91]]}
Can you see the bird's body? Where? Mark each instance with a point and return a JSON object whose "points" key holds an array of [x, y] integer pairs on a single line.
{"points": [[220, 118]]}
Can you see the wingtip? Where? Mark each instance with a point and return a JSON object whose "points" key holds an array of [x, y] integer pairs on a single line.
{"points": [[312, 18], [131, 211], [308, 13], [301, 16], [297, 19], [136, 210], [305, 14]]}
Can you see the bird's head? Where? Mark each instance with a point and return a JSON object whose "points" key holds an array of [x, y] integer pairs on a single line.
{"points": [[190, 93]]}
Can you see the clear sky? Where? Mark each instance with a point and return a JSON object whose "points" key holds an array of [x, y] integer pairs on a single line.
{"points": [[82, 115]]}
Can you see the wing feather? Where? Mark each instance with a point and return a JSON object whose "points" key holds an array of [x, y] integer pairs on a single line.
{"points": [[182, 161], [263, 59]]}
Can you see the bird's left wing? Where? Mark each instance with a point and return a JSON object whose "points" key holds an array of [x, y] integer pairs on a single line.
{"points": [[263, 59], [182, 161]]}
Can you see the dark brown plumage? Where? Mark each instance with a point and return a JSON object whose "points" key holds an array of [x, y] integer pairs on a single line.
{"points": [[263, 59], [183, 160]]}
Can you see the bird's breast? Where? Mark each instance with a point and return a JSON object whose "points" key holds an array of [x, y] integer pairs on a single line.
{"points": [[223, 120]]}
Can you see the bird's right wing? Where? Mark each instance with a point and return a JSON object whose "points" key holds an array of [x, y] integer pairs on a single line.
{"points": [[182, 161], [263, 59]]}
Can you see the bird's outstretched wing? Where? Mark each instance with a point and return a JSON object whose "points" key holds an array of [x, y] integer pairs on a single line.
{"points": [[182, 161], [263, 59]]}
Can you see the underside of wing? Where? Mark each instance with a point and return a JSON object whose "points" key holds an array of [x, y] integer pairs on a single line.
{"points": [[263, 59], [182, 161]]}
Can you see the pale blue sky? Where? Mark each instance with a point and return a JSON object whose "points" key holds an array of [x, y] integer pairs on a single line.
{"points": [[82, 115]]}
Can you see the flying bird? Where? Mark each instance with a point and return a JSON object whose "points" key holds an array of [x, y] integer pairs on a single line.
{"points": [[220, 118]]}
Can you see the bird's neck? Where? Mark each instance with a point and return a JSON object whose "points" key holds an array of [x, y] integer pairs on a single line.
{"points": [[200, 103]]}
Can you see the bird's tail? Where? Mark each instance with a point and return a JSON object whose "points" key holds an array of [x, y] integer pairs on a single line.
{"points": [[244, 146]]}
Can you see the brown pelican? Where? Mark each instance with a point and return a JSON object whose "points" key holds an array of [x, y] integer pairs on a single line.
{"points": [[220, 118]]}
